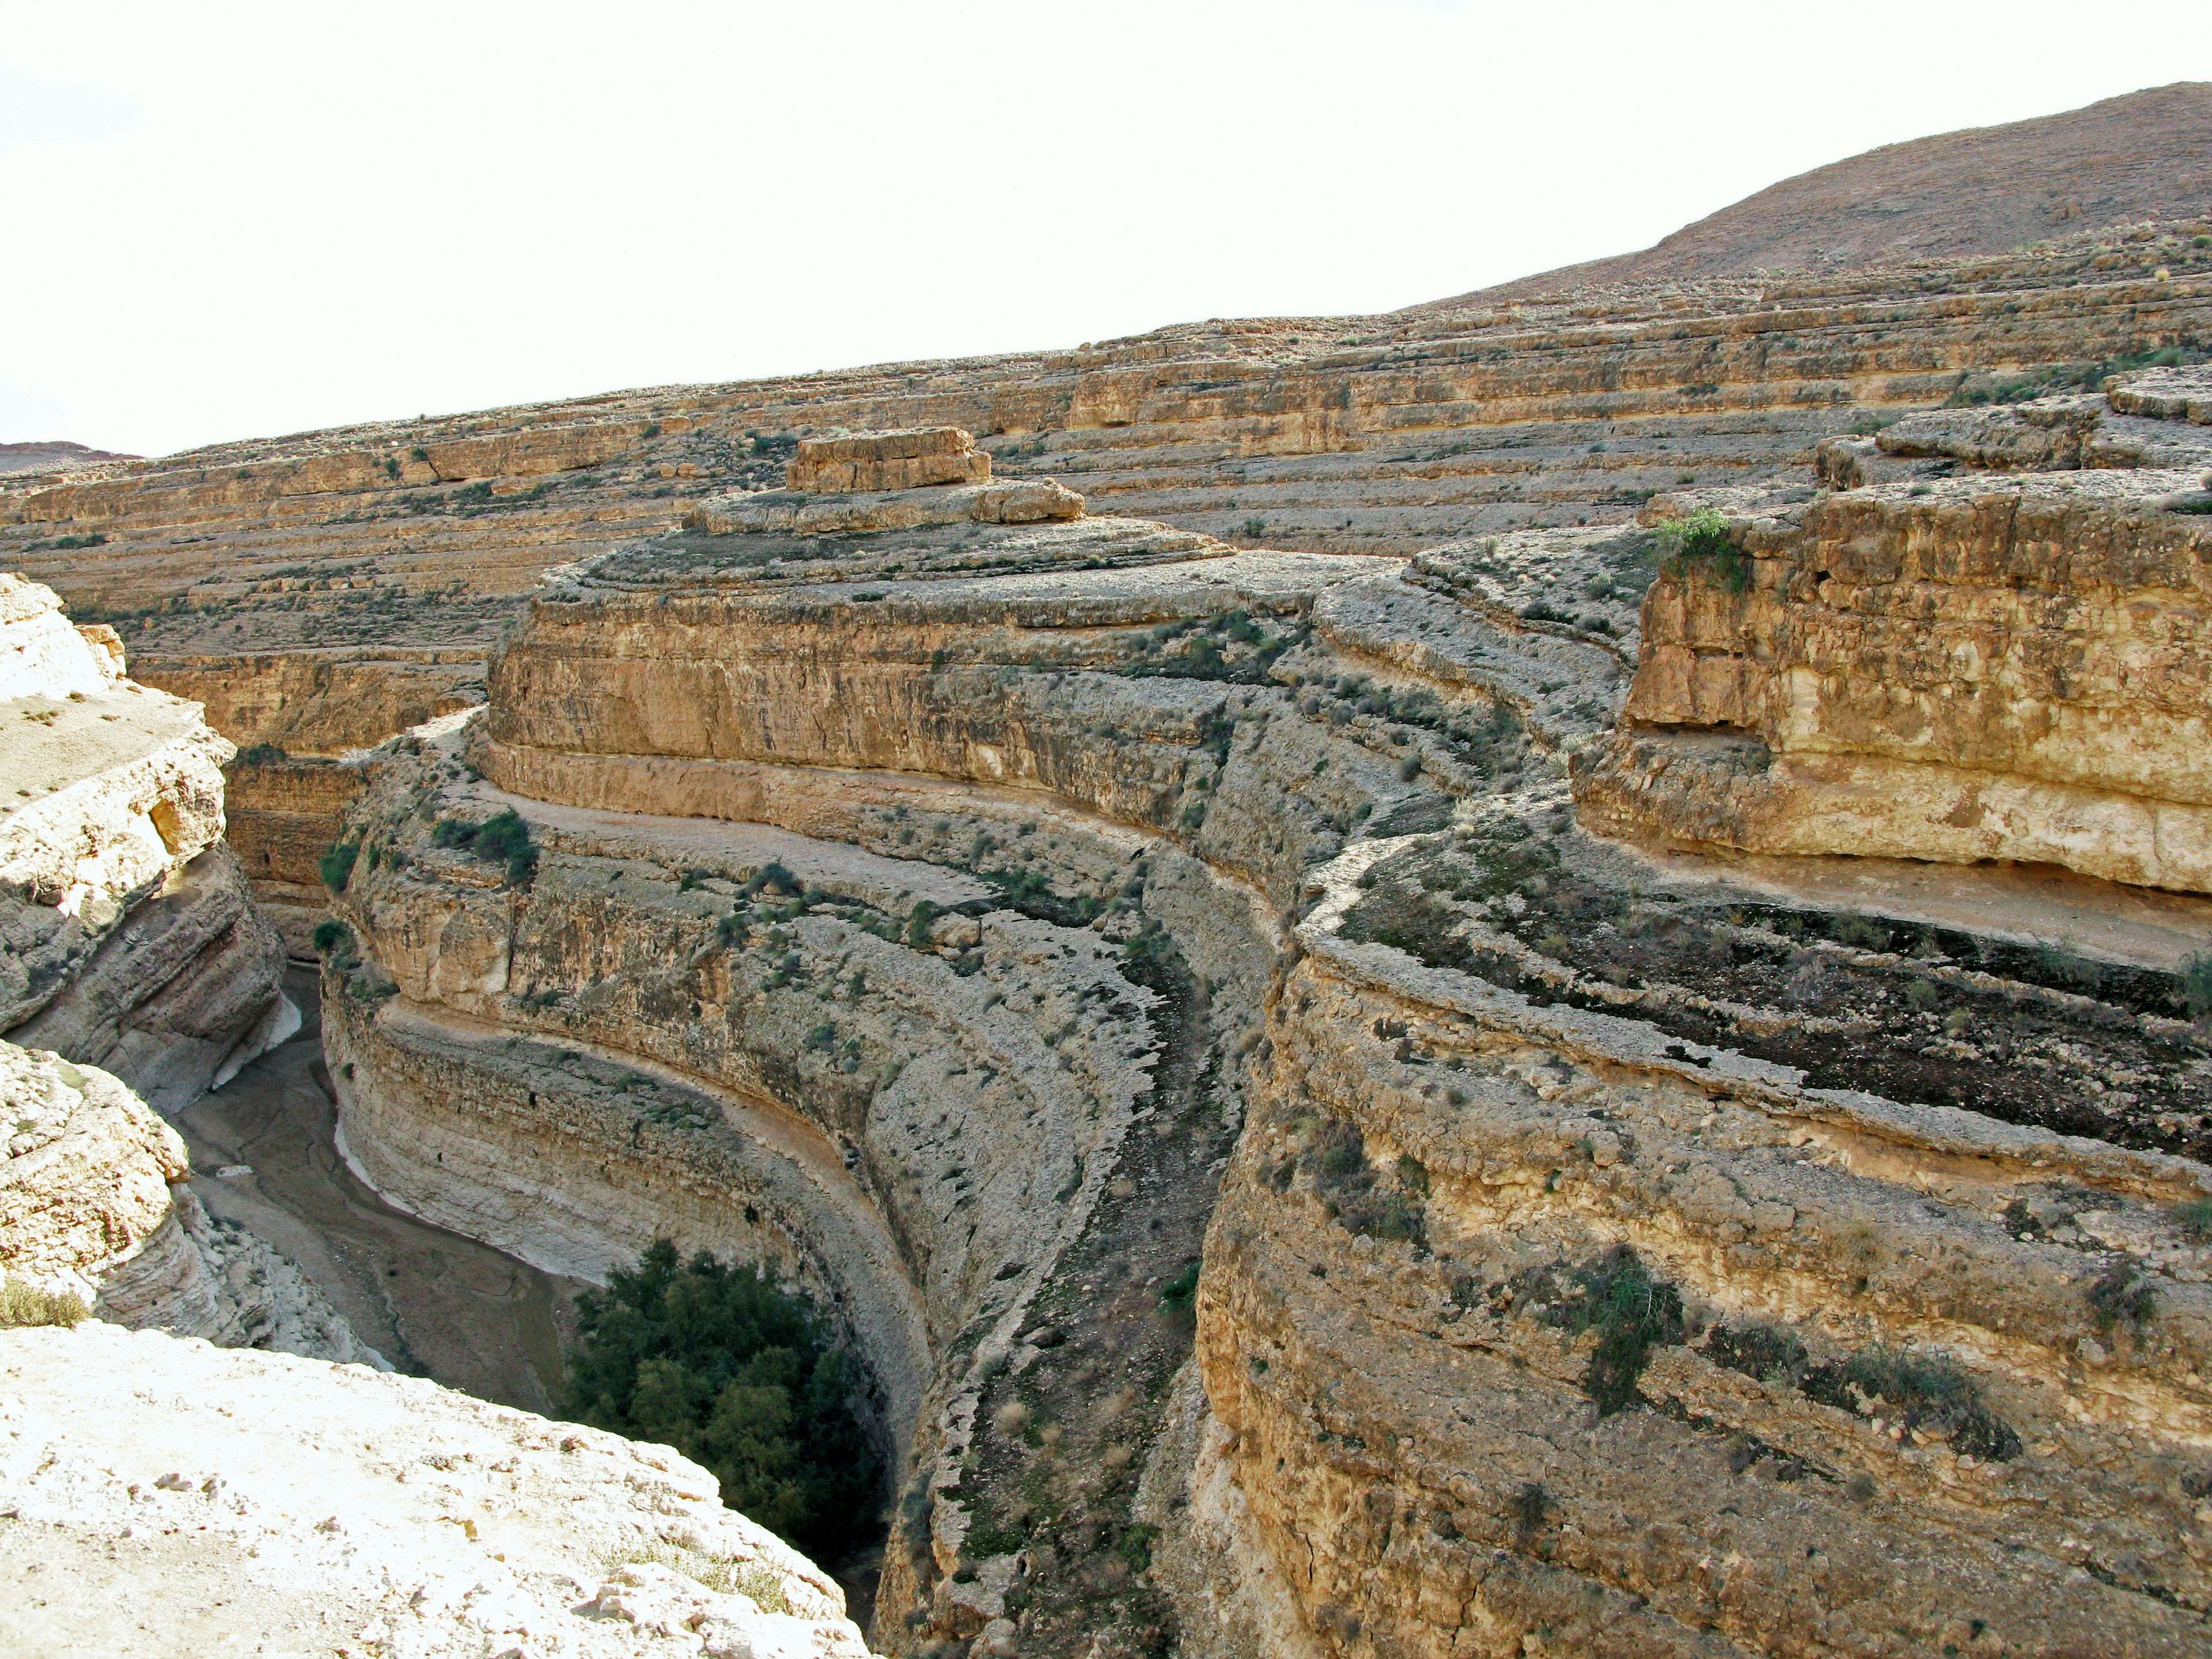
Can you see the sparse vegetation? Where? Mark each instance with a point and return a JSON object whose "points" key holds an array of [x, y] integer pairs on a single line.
{"points": [[1923, 1393], [504, 839], [336, 865], [1631, 1311], [22, 1303], [1705, 541]]}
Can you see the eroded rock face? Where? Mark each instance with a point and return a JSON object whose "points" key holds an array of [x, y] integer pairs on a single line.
{"points": [[94, 1203], [300, 585], [127, 937], [887, 460], [264, 1500], [946, 909], [1996, 667]]}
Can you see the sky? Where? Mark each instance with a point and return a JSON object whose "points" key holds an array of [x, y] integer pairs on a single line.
{"points": [[228, 221]]}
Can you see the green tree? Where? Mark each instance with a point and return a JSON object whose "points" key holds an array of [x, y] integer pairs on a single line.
{"points": [[735, 1371]]}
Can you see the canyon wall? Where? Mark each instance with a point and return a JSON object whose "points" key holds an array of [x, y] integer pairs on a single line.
{"points": [[372, 566], [1296, 1188], [2008, 663]]}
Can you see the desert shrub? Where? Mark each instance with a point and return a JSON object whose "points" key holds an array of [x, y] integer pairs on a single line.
{"points": [[1632, 1314], [503, 838], [1179, 1296], [1922, 1391], [2120, 1295], [1255, 528], [1351, 1192], [22, 1303], [1705, 540], [2197, 985], [2194, 1218], [260, 754], [1861, 933], [1766, 1351], [336, 865], [1527, 1509], [735, 1370], [332, 938]]}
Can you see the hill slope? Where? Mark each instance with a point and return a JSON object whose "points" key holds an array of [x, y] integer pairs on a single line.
{"points": [[2146, 156]]}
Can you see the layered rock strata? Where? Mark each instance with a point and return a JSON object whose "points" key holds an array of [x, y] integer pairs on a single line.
{"points": [[379, 563], [273, 1503], [95, 1203], [130, 940], [1615, 1251], [1998, 664]]}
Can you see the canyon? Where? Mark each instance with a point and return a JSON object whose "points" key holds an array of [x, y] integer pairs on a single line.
{"points": [[1534, 976]]}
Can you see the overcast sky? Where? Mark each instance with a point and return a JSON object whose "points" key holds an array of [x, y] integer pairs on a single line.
{"points": [[226, 221]]}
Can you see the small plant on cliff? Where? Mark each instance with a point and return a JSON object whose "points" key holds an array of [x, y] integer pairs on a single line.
{"points": [[2197, 985], [336, 863], [332, 938], [1631, 1312], [1921, 1392], [732, 1368], [1705, 541], [503, 838], [260, 754]]}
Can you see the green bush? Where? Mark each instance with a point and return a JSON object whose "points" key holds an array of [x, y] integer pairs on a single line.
{"points": [[1705, 540], [337, 864], [331, 937], [735, 1371], [1631, 1312], [503, 838], [22, 1303], [1923, 1390], [260, 754]]}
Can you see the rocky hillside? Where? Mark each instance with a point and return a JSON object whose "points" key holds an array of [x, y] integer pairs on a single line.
{"points": [[1985, 190], [54, 457]]}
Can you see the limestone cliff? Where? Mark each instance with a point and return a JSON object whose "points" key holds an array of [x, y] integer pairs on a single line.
{"points": [[2004, 663], [324, 591], [127, 939]]}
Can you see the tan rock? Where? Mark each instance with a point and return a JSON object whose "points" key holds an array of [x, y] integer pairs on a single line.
{"points": [[901, 460], [1968, 670]]}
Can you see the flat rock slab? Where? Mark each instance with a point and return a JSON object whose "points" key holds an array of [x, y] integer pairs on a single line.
{"points": [[158, 1495]]}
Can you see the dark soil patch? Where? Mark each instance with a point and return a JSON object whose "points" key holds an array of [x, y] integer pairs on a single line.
{"points": [[1889, 1027]]}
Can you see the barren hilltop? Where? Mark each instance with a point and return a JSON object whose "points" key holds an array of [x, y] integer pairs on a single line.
{"points": [[2146, 156]]}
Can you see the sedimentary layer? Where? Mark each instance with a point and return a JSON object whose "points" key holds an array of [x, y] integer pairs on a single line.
{"points": [[127, 939], [349, 575], [2008, 664]]}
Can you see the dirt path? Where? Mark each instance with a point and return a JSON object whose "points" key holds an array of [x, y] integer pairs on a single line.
{"points": [[432, 1302]]}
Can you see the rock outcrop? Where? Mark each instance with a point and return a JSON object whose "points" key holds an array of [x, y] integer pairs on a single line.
{"points": [[127, 939], [95, 1204], [2005, 663], [285, 1504]]}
